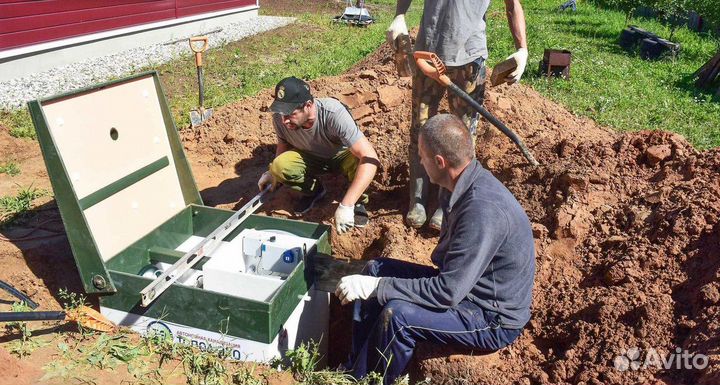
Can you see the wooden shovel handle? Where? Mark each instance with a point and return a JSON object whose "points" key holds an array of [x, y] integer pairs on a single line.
{"points": [[198, 49]]}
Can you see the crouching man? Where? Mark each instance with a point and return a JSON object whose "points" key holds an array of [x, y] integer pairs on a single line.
{"points": [[478, 296], [316, 136]]}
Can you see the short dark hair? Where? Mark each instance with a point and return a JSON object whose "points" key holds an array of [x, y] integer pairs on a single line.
{"points": [[446, 135]]}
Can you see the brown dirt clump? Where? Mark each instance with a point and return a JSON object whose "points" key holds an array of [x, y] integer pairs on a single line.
{"points": [[626, 227], [16, 372]]}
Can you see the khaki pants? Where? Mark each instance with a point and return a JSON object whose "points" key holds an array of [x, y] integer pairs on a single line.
{"points": [[299, 170], [426, 96]]}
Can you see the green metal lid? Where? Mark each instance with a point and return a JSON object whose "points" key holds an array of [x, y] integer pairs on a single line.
{"points": [[116, 165]]}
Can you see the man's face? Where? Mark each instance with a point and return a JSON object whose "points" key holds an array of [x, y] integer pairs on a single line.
{"points": [[297, 118], [429, 162]]}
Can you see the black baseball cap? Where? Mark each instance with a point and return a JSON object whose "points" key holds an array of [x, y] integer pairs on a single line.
{"points": [[290, 94]]}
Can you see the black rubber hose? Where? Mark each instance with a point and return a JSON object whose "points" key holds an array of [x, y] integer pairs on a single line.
{"points": [[31, 316], [495, 121], [18, 294]]}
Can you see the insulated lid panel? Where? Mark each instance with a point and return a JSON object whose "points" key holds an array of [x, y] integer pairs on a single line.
{"points": [[105, 136], [116, 165]]}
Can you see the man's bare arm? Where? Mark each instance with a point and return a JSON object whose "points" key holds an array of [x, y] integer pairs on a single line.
{"points": [[402, 7], [516, 21], [364, 151]]}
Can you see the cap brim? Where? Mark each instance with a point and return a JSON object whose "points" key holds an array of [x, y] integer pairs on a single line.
{"points": [[283, 108]]}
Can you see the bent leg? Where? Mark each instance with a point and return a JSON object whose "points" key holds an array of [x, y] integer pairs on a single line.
{"points": [[347, 164], [298, 170], [365, 313], [471, 78], [402, 324], [426, 97]]}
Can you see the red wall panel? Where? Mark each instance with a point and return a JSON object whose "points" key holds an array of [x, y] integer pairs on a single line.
{"points": [[71, 18], [195, 7], [27, 22]]}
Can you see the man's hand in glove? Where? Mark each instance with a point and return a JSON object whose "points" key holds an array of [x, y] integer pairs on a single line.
{"points": [[356, 286], [521, 57], [267, 179], [396, 28], [344, 218]]}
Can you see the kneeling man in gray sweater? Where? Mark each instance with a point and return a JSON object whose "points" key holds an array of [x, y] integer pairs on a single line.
{"points": [[478, 294]]}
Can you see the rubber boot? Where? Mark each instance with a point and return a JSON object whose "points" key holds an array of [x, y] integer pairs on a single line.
{"points": [[436, 219], [419, 183]]}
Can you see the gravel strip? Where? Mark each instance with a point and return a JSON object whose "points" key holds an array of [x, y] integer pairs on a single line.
{"points": [[16, 92]]}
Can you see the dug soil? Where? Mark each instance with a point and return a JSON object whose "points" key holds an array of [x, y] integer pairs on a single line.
{"points": [[626, 227]]}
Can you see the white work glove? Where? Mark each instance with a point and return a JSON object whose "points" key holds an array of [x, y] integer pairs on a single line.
{"points": [[396, 28], [267, 179], [344, 218], [357, 286], [521, 57]]}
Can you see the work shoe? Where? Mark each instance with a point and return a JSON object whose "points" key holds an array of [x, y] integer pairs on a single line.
{"points": [[361, 215], [436, 219], [307, 202], [416, 217]]}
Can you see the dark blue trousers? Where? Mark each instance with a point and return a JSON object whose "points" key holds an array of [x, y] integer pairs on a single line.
{"points": [[384, 337]]}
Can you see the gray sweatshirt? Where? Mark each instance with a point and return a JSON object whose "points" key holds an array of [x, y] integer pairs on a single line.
{"points": [[486, 253]]}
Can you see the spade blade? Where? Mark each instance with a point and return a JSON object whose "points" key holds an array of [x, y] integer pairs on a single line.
{"points": [[197, 117]]}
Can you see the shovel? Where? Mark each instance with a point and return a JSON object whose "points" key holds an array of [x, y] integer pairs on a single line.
{"points": [[85, 316], [199, 45], [431, 65]]}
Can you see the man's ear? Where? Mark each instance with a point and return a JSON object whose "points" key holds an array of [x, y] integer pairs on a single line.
{"points": [[440, 162]]}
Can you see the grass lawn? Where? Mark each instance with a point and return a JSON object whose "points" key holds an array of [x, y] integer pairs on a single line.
{"points": [[612, 86], [608, 84], [310, 48]]}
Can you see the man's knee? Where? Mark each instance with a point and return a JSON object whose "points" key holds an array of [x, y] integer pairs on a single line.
{"points": [[285, 167], [395, 313]]}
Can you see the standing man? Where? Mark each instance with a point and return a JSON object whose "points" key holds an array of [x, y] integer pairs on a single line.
{"points": [[315, 136], [455, 31], [479, 294]]}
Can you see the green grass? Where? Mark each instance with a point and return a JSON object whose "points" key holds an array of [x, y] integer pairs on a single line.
{"points": [[10, 168], [19, 123], [609, 85], [16, 206], [312, 47]]}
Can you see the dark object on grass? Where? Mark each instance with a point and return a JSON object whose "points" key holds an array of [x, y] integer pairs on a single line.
{"points": [[709, 73], [556, 62], [569, 4], [356, 15], [652, 47]]}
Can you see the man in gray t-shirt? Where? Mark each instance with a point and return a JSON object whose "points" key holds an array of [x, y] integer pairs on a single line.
{"points": [[455, 31], [315, 136]]}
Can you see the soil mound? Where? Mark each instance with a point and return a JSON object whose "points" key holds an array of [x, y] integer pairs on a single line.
{"points": [[626, 227]]}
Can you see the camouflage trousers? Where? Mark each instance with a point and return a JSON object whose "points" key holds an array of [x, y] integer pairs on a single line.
{"points": [[426, 97]]}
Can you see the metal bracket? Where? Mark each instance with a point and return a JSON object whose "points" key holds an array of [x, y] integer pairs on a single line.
{"points": [[205, 247]]}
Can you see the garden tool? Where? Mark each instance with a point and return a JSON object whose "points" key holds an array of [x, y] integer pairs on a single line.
{"points": [[85, 316], [404, 62], [203, 248], [199, 45], [355, 14], [431, 65]]}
